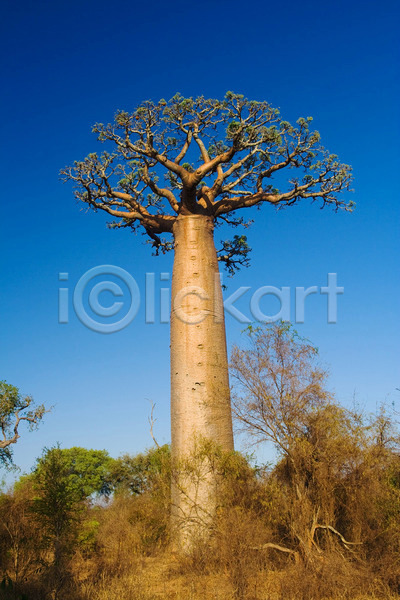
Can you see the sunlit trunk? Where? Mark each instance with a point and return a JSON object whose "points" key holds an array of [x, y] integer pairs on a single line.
{"points": [[200, 399]]}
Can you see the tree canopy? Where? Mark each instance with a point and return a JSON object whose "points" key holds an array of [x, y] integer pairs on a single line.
{"points": [[84, 471], [139, 473], [204, 156], [14, 409]]}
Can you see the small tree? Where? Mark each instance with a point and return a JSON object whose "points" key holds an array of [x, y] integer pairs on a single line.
{"points": [[333, 480], [278, 385], [176, 170], [20, 556], [58, 504], [87, 470], [14, 409]]}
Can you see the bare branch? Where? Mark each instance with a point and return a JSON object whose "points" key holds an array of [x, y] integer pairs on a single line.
{"points": [[271, 545], [163, 192], [185, 148], [342, 539], [152, 422]]}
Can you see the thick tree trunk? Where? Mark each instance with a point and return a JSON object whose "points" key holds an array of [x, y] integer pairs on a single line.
{"points": [[200, 398]]}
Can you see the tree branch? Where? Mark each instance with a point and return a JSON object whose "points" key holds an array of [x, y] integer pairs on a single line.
{"points": [[248, 136], [12, 405], [273, 546], [152, 422], [340, 536]]}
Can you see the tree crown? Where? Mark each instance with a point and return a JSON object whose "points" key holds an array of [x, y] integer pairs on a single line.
{"points": [[85, 471], [204, 156], [14, 408]]}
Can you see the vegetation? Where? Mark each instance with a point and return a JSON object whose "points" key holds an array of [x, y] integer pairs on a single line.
{"points": [[14, 409], [174, 170], [321, 522]]}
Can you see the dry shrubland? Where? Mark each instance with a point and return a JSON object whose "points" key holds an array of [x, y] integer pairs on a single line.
{"points": [[322, 522]]}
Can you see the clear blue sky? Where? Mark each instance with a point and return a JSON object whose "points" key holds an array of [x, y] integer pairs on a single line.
{"points": [[66, 65]]}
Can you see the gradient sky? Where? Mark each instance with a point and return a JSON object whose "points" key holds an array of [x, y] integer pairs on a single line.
{"points": [[67, 65]]}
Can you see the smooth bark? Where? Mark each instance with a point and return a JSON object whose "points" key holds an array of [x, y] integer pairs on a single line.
{"points": [[200, 396]]}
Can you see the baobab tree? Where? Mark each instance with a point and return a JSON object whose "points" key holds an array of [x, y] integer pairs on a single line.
{"points": [[174, 170]]}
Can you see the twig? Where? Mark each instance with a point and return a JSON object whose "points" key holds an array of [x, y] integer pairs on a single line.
{"points": [[152, 421]]}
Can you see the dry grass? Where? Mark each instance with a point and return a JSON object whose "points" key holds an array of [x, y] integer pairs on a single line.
{"points": [[163, 577], [123, 551]]}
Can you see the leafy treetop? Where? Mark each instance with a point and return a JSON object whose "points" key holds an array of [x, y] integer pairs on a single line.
{"points": [[205, 157], [14, 408], [85, 471]]}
